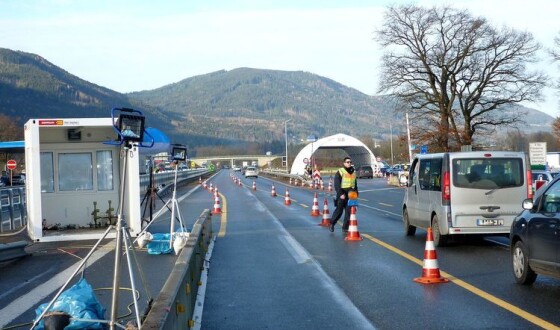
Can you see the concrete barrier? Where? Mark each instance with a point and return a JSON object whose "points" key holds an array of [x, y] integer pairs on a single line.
{"points": [[173, 308], [12, 250]]}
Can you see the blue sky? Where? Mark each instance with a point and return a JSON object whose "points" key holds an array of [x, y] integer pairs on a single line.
{"points": [[139, 45]]}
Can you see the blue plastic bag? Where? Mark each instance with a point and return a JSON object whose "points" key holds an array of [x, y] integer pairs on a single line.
{"points": [[78, 301], [160, 244]]}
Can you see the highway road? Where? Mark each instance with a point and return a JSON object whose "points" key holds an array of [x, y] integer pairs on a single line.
{"points": [[274, 267]]}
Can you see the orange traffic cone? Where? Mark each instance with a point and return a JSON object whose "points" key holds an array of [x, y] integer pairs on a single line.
{"points": [[204, 185], [315, 208], [273, 192], [430, 270], [287, 200], [211, 187], [199, 180], [330, 185], [326, 216], [217, 208], [254, 185], [295, 182], [353, 233], [290, 181], [239, 182]]}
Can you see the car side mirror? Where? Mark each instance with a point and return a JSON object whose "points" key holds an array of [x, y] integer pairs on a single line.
{"points": [[527, 204]]}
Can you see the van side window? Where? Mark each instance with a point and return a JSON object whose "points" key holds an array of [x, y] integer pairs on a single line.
{"points": [[429, 176]]}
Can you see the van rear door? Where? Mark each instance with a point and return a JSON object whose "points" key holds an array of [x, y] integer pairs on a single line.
{"points": [[487, 191]]}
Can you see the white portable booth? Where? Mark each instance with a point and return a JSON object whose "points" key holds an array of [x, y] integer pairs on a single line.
{"points": [[68, 168]]}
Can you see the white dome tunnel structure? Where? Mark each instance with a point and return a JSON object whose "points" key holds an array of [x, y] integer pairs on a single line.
{"points": [[358, 151]]}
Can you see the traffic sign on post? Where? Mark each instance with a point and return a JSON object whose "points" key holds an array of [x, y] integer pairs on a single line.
{"points": [[11, 164]]}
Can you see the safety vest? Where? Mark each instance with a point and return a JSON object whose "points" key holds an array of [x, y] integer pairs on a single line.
{"points": [[348, 180]]}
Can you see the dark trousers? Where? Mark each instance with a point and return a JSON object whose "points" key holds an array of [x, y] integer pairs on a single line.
{"points": [[341, 205]]}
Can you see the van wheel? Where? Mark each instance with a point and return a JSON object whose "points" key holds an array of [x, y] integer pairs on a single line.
{"points": [[408, 229], [439, 239], [521, 269]]}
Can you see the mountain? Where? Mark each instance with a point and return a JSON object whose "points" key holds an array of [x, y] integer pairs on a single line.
{"points": [[240, 107], [32, 87], [253, 104]]}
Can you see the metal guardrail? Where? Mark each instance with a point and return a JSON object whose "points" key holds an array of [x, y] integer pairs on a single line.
{"points": [[174, 307], [13, 208], [283, 174], [167, 177]]}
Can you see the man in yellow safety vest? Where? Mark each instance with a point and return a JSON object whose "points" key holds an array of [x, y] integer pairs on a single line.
{"points": [[344, 182]]}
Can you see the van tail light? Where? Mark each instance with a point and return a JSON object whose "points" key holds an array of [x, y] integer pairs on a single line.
{"points": [[529, 184], [446, 192]]}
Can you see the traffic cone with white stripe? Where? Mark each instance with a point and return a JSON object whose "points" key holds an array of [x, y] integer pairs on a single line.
{"points": [[239, 182], [217, 208], [199, 180], [273, 191], [287, 200], [330, 185], [430, 270], [315, 208], [326, 216], [204, 185], [254, 185], [353, 233], [211, 187], [290, 181]]}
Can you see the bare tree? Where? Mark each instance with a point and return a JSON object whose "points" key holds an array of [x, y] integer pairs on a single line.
{"points": [[10, 129], [455, 72]]}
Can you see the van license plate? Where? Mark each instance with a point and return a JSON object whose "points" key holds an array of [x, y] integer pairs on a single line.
{"points": [[490, 222]]}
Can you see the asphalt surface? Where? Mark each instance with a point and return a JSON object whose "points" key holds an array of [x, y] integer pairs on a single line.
{"points": [[274, 267]]}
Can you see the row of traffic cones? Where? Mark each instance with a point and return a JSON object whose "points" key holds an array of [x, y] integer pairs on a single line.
{"points": [[430, 268]]}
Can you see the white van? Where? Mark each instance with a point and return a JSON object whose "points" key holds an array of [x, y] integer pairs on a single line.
{"points": [[458, 193]]}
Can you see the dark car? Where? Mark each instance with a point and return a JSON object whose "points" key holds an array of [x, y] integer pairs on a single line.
{"points": [[534, 236], [364, 171]]}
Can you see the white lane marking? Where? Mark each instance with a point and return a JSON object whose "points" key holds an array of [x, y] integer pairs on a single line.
{"points": [[17, 287], [381, 210], [39, 293], [299, 254], [346, 304]]}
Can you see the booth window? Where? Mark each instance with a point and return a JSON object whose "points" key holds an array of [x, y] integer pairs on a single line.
{"points": [[47, 172], [104, 160], [75, 171]]}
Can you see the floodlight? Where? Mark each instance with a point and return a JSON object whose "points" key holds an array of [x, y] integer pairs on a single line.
{"points": [[130, 124], [178, 152]]}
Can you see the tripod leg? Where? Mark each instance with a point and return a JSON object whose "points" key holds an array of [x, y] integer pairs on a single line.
{"points": [[71, 277], [127, 244], [142, 277]]}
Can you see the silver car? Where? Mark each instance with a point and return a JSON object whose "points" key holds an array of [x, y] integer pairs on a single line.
{"points": [[251, 172]]}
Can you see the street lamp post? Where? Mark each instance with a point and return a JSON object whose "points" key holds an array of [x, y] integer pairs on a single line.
{"points": [[286, 135], [312, 138]]}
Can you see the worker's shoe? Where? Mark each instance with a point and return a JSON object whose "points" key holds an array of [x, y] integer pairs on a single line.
{"points": [[331, 227]]}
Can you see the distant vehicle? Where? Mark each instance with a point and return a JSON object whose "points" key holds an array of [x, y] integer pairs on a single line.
{"points": [[534, 236], [18, 180], [364, 171], [237, 168], [471, 193], [251, 172]]}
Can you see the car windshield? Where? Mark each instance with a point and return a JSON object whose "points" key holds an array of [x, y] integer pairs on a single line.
{"points": [[485, 173]]}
